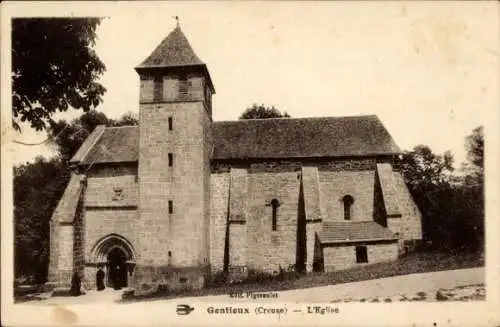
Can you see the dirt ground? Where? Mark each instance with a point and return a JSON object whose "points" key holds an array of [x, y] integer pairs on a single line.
{"points": [[462, 284]]}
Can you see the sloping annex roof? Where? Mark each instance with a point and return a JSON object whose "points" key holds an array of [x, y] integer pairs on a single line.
{"points": [[280, 138], [354, 231]]}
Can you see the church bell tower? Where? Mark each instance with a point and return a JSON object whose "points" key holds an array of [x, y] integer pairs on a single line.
{"points": [[174, 167]]}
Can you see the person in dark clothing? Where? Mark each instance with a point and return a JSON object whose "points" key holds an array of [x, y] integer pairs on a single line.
{"points": [[76, 285], [100, 280], [116, 279]]}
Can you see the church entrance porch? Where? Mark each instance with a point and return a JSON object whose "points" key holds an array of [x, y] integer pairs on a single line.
{"points": [[111, 263]]}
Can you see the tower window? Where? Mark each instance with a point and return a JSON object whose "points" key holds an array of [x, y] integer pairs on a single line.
{"points": [[170, 206], [361, 254], [183, 85], [348, 201], [170, 159], [170, 123], [274, 205], [158, 88]]}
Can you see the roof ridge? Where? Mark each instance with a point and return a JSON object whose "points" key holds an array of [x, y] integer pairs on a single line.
{"points": [[125, 126], [88, 144], [295, 118]]}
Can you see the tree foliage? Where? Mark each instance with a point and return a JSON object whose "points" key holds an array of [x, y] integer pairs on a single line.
{"points": [[38, 187], [54, 67], [263, 112], [452, 206]]}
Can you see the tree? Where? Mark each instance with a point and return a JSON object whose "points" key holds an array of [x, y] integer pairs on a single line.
{"points": [[427, 176], [38, 186], [263, 112], [421, 167], [54, 67], [127, 119], [452, 206], [474, 144], [472, 191]]}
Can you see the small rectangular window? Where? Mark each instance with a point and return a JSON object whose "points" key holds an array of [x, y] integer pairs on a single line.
{"points": [[361, 254], [170, 206], [170, 159], [170, 123], [274, 204]]}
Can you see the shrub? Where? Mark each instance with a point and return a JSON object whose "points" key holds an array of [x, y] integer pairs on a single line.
{"points": [[440, 296]]}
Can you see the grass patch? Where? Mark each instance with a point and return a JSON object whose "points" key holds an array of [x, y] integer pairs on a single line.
{"points": [[408, 264]]}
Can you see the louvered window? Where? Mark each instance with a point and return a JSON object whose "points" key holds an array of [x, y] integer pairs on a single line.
{"points": [[183, 86], [158, 88]]}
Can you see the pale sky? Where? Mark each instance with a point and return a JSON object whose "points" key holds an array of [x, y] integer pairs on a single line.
{"points": [[428, 70]]}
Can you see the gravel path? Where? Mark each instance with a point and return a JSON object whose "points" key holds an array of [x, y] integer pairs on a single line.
{"points": [[421, 286]]}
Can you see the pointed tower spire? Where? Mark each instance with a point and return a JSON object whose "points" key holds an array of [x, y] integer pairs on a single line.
{"points": [[174, 50]]}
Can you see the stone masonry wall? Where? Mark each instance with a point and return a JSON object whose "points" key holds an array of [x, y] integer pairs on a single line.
{"points": [[206, 122], [79, 224], [403, 216], [103, 222], [182, 184], [179, 238], [62, 233], [335, 185], [238, 214], [267, 249], [411, 228], [112, 191], [111, 202], [343, 257], [218, 219], [311, 191], [65, 261], [324, 182]]}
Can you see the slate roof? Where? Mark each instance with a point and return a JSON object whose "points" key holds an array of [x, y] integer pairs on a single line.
{"points": [[302, 137], [67, 206], [174, 50], [354, 231], [265, 139], [116, 144]]}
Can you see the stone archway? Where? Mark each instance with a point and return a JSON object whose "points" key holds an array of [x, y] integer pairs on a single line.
{"points": [[117, 256]]}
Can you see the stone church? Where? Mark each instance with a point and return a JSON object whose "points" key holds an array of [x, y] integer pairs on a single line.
{"points": [[181, 198]]}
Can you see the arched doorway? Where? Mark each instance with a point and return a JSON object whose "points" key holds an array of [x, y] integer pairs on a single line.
{"points": [[117, 268], [115, 255]]}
